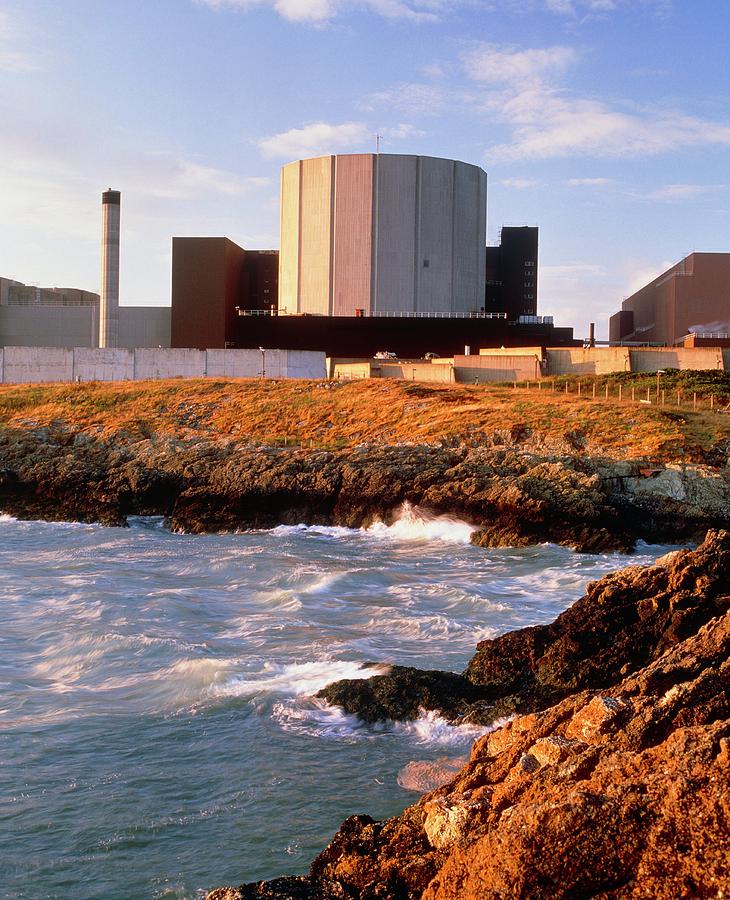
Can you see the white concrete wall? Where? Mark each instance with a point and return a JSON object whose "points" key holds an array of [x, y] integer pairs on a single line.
{"points": [[165, 363], [304, 364], [26, 365], [234, 363], [19, 365], [110, 364]]}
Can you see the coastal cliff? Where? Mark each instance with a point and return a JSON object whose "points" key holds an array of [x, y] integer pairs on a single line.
{"points": [[522, 466], [619, 790], [512, 495]]}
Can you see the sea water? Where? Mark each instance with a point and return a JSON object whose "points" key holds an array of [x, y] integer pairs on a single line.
{"points": [[159, 733]]}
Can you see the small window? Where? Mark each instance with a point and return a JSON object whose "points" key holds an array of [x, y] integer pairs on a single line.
{"points": [[426, 263]]}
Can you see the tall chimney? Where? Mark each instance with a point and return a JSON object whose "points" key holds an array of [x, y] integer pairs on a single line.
{"points": [[109, 300], [592, 335]]}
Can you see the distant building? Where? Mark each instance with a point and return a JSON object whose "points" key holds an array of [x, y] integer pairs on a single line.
{"points": [[212, 279], [375, 234], [691, 297], [32, 316], [511, 274]]}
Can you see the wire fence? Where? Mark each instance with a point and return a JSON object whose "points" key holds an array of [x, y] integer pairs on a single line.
{"points": [[697, 401]]}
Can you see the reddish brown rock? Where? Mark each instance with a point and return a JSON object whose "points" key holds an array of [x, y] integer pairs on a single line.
{"points": [[613, 793]]}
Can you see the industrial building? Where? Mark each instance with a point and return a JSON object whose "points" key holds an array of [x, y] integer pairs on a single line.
{"points": [[692, 297], [212, 280], [32, 316], [511, 273], [378, 252], [370, 234]]}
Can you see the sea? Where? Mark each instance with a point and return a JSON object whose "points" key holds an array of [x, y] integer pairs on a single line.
{"points": [[159, 733]]}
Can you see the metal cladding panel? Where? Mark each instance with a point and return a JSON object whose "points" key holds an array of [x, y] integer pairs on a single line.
{"points": [[289, 253], [435, 223], [395, 233], [353, 228], [315, 266], [470, 222]]}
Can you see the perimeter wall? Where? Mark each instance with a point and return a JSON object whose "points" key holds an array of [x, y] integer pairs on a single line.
{"points": [[24, 365]]}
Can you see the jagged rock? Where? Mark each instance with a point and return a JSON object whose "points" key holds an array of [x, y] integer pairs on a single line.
{"points": [[401, 694], [512, 495], [639, 807], [623, 622], [617, 792]]}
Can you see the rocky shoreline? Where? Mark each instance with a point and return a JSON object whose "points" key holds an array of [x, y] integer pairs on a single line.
{"points": [[513, 496], [612, 781]]}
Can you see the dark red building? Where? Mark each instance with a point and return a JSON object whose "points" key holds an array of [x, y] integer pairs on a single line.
{"points": [[212, 278]]}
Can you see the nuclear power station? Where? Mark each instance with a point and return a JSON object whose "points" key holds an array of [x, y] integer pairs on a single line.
{"points": [[111, 206], [367, 234]]}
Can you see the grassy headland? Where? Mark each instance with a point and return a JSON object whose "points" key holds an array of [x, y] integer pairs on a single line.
{"points": [[338, 415]]}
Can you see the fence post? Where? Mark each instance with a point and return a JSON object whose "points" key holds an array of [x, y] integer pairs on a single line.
{"points": [[648, 398], [663, 392], [712, 401], [633, 394], [607, 391], [594, 390], [579, 388], [678, 395], [620, 392], [566, 387]]}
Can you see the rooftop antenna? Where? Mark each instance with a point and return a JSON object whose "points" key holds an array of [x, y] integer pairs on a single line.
{"points": [[377, 144]]}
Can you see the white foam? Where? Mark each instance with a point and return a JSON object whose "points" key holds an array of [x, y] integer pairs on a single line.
{"points": [[432, 729], [5, 517], [296, 678], [411, 524], [415, 524]]}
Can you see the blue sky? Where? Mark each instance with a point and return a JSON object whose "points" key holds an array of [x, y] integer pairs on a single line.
{"points": [[605, 122]]}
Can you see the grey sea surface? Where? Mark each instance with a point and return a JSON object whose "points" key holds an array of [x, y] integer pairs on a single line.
{"points": [[158, 730]]}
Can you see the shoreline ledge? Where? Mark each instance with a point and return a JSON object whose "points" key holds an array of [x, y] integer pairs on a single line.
{"points": [[513, 496], [611, 781]]}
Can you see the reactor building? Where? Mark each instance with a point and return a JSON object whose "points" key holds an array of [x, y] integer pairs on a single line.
{"points": [[376, 234]]}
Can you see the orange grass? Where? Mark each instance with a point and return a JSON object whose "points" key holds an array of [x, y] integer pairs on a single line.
{"points": [[340, 415]]}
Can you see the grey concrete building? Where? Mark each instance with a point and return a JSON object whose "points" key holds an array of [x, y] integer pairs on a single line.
{"points": [[379, 234], [32, 316]]}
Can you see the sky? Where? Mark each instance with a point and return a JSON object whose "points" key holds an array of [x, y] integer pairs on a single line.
{"points": [[604, 122]]}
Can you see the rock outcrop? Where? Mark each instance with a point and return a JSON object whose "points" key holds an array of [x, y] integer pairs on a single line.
{"points": [[512, 496], [624, 621], [619, 790]]}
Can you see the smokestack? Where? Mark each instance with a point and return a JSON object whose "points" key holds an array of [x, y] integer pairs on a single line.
{"points": [[592, 335], [109, 301]]}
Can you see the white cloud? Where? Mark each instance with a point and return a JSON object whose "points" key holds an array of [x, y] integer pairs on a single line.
{"points": [[413, 97], [494, 64], [548, 121], [519, 184], [321, 11], [589, 182], [316, 139], [672, 192], [401, 132]]}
